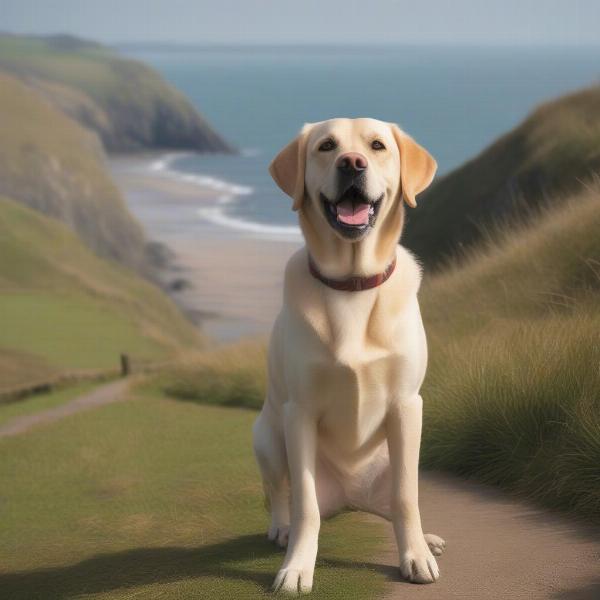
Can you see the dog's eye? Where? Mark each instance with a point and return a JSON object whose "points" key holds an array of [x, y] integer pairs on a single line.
{"points": [[377, 145], [327, 146]]}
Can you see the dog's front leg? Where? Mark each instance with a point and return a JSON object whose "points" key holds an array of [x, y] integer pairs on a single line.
{"points": [[403, 427], [296, 574]]}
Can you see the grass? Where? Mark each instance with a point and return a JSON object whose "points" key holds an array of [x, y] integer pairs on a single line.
{"points": [[71, 332], [92, 510], [521, 409], [63, 308], [548, 157], [512, 394], [233, 375], [20, 368], [37, 403]]}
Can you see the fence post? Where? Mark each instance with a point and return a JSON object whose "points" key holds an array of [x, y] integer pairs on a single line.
{"points": [[125, 366]]}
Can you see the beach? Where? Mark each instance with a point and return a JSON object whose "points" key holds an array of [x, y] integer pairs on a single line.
{"points": [[229, 280]]}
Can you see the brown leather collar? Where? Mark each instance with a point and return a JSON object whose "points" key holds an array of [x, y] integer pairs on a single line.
{"points": [[352, 284]]}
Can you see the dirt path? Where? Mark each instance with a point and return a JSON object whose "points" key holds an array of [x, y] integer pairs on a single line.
{"points": [[104, 394], [500, 549]]}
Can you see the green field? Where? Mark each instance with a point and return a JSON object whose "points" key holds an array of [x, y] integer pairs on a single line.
{"points": [[143, 499], [63, 308], [71, 332]]}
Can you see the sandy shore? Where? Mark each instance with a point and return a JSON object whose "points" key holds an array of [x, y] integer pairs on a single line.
{"points": [[235, 279]]}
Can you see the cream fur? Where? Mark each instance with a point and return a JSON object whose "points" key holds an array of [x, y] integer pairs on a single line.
{"points": [[341, 423]]}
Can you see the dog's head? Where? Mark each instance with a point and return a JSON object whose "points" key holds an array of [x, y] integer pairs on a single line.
{"points": [[347, 176]]}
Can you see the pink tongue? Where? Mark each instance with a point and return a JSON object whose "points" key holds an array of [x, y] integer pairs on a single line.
{"points": [[352, 214]]}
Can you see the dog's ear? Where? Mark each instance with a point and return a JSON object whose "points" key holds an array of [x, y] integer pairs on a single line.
{"points": [[288, 167], [417, 166]]}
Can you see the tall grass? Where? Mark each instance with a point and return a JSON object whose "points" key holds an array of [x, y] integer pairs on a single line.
{"points": [[521, 408], [512, 395], [230, 376]]}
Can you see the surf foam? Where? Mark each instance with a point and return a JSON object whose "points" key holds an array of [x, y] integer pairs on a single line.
{"points": [[227, 193]]}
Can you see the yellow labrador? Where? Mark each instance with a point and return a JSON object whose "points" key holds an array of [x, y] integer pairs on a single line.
{"points": [[341, 423]]}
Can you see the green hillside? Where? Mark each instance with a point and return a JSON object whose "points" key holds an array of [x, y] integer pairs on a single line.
{"points": [[548, 156], [63, 308], [126, 102], [51, 164], [512, 395]]}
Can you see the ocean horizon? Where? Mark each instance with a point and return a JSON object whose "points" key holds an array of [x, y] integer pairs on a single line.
{"points": [[455, 100]]}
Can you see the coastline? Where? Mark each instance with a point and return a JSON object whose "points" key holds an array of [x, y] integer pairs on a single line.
{"points": [[228, 280]]}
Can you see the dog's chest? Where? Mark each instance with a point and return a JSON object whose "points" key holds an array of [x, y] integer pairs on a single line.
{"points": [[356, 378], [348, 356], [354, 398]]}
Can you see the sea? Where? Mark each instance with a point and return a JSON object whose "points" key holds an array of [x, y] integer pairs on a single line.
{"points": [[454, 100]]}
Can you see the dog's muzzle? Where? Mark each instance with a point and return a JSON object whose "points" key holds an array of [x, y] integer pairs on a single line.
{"points": [[353, 213]]}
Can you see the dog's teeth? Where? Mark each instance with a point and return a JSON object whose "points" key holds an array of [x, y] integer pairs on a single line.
{"points": [[371, 210]]}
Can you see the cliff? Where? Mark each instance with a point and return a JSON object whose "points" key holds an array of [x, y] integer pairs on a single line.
{"points": [[51, 164], [126, 102]]}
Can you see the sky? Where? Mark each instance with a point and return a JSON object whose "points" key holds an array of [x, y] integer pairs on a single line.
{"points": [[511, 22]]}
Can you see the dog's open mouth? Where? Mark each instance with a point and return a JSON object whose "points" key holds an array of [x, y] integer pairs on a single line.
{"points": [[353, 214]]}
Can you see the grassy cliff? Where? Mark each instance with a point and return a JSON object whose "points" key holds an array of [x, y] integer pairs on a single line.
{"points": [[546, 157], [51, 164], [126, 102], [63, 308]]}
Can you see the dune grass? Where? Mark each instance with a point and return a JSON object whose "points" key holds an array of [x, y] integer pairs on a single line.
{"points": [[92, 509], [512, 394]]}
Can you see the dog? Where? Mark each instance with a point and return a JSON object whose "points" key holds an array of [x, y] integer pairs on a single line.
{"points": [[340, 426]]}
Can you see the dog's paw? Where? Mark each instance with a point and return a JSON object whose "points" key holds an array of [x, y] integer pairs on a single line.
{"points": [[418, 565], [294, 581], [279, 534], [436, 544]]}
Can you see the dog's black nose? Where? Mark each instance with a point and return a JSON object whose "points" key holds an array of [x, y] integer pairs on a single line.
{"points": [[351, 163]]}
